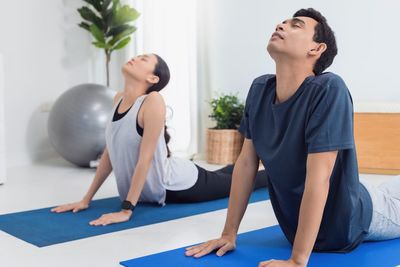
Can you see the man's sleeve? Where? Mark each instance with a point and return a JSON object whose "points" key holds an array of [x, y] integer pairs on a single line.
{"points": [[330, 123], [244, 127]]}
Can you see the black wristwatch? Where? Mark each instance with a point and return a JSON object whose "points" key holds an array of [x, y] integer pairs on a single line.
{"points": [[127, 205]]}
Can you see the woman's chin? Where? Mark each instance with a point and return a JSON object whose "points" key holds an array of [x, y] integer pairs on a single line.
{"points": [[124, 69], [127, 72]]}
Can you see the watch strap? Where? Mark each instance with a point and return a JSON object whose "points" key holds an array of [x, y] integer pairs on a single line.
{"points": [[127, 205]]}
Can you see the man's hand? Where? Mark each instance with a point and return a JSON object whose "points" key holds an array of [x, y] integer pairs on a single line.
{"points": [[110, 218], [279, 263], [74, 207], [224, 244]]}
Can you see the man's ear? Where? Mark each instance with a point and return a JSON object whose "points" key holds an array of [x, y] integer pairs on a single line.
{"points": [[153, 79], [317, 50]]}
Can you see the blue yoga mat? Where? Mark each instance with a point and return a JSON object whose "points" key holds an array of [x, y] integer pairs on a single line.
{"points": [[270, 243], [43, 228]]}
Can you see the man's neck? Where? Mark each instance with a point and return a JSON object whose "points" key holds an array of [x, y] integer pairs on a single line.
{"points": [[289, 77]]}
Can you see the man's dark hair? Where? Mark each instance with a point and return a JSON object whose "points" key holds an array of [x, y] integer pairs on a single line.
{"points": [[323, 34]]}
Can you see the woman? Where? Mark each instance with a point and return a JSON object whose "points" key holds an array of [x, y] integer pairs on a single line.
{"points": [[137, 151]]}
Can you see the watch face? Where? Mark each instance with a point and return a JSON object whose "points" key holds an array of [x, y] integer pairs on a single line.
{"points": [[126, 205]]}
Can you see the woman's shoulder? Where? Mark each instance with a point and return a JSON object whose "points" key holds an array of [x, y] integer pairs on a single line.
{"points": [[154, 99], [155, 96], [154, 103]]}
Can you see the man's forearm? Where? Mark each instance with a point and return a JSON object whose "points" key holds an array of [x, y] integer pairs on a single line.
{"points": [[311, 212], [242, 185]]}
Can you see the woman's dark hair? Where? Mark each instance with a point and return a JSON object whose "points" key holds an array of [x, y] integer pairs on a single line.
{"points": [[323, 34], [161, 70]]}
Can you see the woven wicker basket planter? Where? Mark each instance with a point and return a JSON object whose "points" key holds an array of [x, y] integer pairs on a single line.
{"points": [[223, 146]]}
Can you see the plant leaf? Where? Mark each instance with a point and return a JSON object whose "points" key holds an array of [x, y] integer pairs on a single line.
{"points": [[107, 17], [121, 44], [117, 30], [106, 4], [97, 33], [227, 111], [117, 38], [124, 14], [84, 25], [106, 12], [95, 3], [99, 44], [87, 14], [116, 4]]}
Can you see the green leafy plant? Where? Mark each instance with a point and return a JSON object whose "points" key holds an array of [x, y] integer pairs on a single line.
{"points": [[227, 111], [109, 23]]}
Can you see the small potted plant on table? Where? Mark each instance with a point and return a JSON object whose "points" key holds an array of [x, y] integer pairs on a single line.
{"points": [[224, 141]]}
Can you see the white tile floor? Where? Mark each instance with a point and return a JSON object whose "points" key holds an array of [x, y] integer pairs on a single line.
{"points": [[56, 182]]}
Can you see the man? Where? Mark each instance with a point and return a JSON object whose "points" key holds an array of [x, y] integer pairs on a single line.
{"points": [[299, 122]]}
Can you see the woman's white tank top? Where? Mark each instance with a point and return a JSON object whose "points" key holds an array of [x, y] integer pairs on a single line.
{"points": [[123, 144]]}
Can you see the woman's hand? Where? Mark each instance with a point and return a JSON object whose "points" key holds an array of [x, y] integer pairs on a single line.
{"points": [[74, 207], [110, 218], [278, 263], [224, 244]]}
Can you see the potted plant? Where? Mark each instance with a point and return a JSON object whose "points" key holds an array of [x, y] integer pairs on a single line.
{"points": [[224, 141], [108, 22]]}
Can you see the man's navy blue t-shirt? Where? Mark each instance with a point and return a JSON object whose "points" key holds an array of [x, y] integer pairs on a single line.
{"points": [[317, 118]]}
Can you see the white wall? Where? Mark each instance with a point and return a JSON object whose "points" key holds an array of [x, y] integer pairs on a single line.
{"points": [[44, 54], [2, 129], [366, 33]]}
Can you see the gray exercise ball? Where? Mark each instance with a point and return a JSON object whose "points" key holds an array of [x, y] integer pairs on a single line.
{"points": [[77, 122]]}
